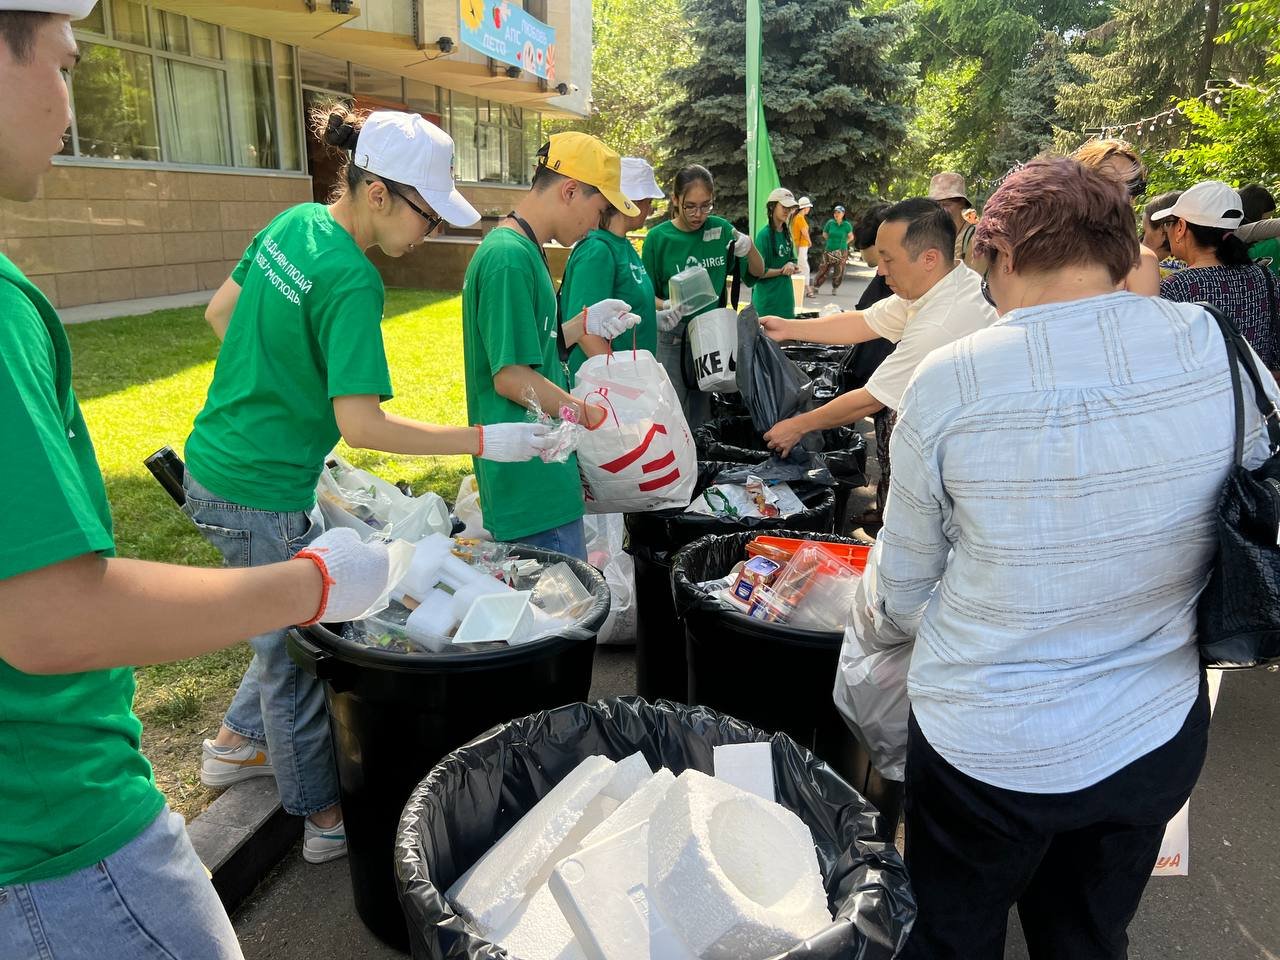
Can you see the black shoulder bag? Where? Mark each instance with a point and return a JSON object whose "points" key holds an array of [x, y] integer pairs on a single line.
{"points": [[1238, 616]]}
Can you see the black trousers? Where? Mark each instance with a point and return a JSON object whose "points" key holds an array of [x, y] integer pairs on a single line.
{"points": [[1075, 864]]}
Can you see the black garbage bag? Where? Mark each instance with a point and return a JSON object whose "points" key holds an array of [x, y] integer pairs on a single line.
{"points": [[480, 791], [862, 362], [771, 384], [844, 453]]}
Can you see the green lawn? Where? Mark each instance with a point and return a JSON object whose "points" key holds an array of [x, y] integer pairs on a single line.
{"points": [[141, 381]]}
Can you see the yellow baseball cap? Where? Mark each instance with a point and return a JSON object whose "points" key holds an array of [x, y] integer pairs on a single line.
{"points": [[580, 156]]}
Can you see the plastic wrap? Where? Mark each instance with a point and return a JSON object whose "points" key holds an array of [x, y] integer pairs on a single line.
{"points": [[478, 792], [564, 432], [605, 536], [354, 498]]}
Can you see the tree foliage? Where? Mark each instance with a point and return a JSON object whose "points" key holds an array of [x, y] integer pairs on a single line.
{"points": [[1237, 141], [634, 44], [833, 98]]}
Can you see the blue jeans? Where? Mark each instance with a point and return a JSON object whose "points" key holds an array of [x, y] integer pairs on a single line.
{"points": [[570, 538], [695, 403], [150, 900], [277, 702]]}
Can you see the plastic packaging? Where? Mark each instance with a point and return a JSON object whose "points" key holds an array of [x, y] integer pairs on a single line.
{"points": [[605, 537], [733, 501], [467, 509], [354, 498], [477, 793], [691, 290], [854, 554], [560, 593], [814, 591], [565, 432]]}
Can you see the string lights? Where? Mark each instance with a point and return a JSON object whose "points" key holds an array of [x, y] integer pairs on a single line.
{"points": [[1146, 126]]}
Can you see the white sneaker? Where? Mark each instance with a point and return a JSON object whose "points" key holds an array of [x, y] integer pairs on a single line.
{"points": [[322, 844], [223, 766]]}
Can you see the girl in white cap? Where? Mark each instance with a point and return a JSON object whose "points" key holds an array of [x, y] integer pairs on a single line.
{"points": [[1200, 230], [773, 294], [302, 365], [604, 265]]}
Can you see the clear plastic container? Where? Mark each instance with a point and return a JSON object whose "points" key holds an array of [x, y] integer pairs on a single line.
{"points": [[691, 290], [560, 593]]}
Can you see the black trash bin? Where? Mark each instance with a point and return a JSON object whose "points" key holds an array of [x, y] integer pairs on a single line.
{"points": [[479, 792], [736, 440], [394, 715], [654, 538], [819, 352], [772, 675]]}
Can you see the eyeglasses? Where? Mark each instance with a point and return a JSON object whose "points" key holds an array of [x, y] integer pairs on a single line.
{"points": [[697, 207], [433, 220], [986, 291]]}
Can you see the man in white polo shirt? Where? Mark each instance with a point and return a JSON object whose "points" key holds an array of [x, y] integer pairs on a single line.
{"points": [[936, 301]]}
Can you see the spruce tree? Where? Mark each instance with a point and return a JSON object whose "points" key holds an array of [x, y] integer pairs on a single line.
{"points": [[833, 99]]}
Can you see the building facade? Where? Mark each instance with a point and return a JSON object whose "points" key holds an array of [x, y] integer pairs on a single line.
{"points": [[190, 127]]}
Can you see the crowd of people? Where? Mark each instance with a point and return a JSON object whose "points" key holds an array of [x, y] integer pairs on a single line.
{"points": [[1055, 405]]}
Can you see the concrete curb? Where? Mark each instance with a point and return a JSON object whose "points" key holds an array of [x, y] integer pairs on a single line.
{"points": [[241, 836]]}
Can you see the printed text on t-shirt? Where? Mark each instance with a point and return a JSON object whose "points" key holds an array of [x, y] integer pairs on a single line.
{"points": [[288, 269]]}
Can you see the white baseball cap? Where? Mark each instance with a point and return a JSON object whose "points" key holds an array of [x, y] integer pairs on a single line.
{"points": [[804, 202], [783, 196], [75, 9], [1210, 203], [638, 181], [408, 149]]}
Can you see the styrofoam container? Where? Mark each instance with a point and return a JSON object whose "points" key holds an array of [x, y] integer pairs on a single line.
{"points": [[497, 617]]}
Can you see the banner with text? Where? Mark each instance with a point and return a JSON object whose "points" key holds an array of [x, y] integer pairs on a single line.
{"points": [[509, 35]]}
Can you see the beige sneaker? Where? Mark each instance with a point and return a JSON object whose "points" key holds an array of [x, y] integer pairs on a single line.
{"points": [[223, 766]]}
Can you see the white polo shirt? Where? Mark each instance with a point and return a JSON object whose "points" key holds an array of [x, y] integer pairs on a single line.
{"points": [[953, 308]]}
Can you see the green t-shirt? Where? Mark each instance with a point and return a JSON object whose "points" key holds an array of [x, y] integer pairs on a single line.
{"points": [[508, 318], [74, 787], [774, 297], [1268, 250], [306, 329], [668, 250], [838, 234], [603, 266]]}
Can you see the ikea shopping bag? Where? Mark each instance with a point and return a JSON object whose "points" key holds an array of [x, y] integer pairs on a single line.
{"points": [[713, 341], [642, 457]]}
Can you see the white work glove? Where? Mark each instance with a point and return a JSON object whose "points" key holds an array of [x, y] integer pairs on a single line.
{"points": [[669, 319], [355, 573], [609, 318], [513, 442], [741, 244]]}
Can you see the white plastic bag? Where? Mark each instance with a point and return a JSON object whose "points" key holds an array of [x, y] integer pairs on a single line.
{"points": [[467, 509], [713, 340], [1175, 849], [871, 681], [642, 457], [605, 534], [354, 498]]}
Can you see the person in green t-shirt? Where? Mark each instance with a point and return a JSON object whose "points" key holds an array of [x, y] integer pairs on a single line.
{"points": [[92, 861], [837, 235], [512, 337], [693, 237], [301, 366], [604, 264], [773, 294]]}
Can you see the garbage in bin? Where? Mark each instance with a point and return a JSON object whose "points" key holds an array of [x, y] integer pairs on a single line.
{"points": [[754, 498], [775, 675], [605, 533], [350, 497], [393, 715], [480, 792], [653, 538]]}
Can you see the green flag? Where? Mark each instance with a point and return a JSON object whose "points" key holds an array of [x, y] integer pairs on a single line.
{"points": [[762, 175]]}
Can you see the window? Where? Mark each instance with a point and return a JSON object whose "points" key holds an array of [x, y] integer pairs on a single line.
{"points": [[324, 72], [532, 144], [377, 84], [115, 104], [462, 127], [159, 86], [253, 113], [193, 113], [423, 98]]}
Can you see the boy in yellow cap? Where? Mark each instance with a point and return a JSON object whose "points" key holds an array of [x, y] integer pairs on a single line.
{"points": [[513, 343]]}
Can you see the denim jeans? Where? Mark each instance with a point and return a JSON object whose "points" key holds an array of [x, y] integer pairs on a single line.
{"points": [[150, 900], [570, 538], [696, 404], [277, 703]]}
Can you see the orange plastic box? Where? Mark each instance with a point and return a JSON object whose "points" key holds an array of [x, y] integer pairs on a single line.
{"points": [[782, 549]]}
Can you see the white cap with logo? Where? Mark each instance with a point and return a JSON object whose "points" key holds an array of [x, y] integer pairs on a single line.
{"points": [[1210, 203], [75, 9], [408, 149], [783, 196], [638, 181]]}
